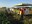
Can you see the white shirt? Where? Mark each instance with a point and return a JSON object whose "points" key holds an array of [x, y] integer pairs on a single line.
{"points": [[26, 11]]}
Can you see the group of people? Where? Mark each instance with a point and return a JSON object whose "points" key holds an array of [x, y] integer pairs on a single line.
{"points": [[22, 11]]}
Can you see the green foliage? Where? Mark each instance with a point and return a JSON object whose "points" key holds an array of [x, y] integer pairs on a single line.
{"points": [[3, 17], [27, 20]]}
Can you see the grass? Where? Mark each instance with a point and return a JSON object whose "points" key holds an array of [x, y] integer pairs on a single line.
{"points": [[3, 17], [28, 20]]}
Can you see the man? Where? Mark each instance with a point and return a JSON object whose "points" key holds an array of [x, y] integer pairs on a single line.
{"points": [[26, 11], [22, 13]]}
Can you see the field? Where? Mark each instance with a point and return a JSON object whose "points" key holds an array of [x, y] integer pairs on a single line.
{"points": [[28, 20], [4, 19]]}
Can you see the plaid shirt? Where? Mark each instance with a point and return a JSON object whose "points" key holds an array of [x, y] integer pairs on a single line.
{"points": [[22, 11]]}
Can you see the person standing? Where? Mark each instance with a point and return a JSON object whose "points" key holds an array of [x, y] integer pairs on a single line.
{"points": [[26, 11], [22, 13]]}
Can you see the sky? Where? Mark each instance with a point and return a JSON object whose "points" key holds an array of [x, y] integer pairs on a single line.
{"points": [[10, 3]]}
